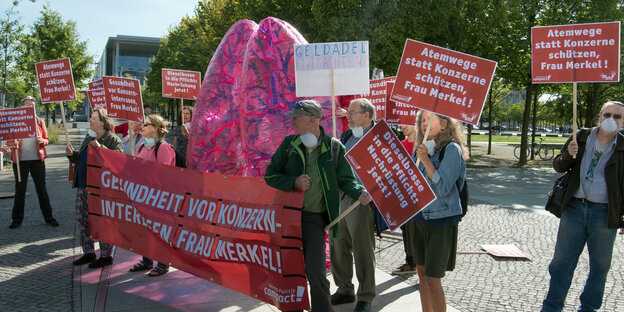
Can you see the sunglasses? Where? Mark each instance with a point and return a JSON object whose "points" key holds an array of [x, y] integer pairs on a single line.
{"points": [[149, 124], [298, 106], [615, 116]]}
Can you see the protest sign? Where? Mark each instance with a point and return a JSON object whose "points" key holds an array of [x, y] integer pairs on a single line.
{"points": [[180, 84], [443, 81], [97, 98], [344, 65], [234, 231], [399, 113], [97, 84], [378, 95], [123, 98], [56, 81], [576, 53], [18, 123], [390, 176]]}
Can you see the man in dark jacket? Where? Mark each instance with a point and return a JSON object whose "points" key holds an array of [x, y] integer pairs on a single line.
{"points": [[314, 163], [592, 208], [356, 240]]}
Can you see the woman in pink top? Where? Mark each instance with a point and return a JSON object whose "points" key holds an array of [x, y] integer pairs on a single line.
{"points": [[155, 149]]}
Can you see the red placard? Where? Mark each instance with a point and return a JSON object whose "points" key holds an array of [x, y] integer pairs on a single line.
{"points": [[123, 98], [576, 53], [18, 123], [390, 175], [378, 95], [399, 113], [97, 98], [56, 81], [97, 84], [234, 231], [180, 84], [447, 82]]}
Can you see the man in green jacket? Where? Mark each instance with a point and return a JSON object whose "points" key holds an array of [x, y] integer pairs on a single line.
{"points": [[314, 163]]}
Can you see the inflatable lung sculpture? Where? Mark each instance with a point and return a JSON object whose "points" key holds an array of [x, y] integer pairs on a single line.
{"points": [[239, 118]]}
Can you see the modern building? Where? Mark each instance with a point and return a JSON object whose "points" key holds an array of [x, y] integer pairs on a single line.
{"points": [[127, 56]]}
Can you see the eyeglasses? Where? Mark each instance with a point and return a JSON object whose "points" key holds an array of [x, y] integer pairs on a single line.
{"points": [[615, 116], [351, 113]]}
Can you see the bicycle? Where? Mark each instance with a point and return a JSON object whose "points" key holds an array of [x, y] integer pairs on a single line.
{"points": [[544, 151]]}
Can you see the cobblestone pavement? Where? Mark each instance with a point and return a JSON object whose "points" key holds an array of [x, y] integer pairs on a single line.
{"points": [[481, 282], [36, 272]]}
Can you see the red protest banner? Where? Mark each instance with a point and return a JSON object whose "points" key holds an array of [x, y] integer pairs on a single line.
{"points": [[97, 98], [18, 123], [97, 84], [234, 231], [123, 98], [180, 84], [443, 81], [576, 53], [399, 113], [390, 175], [56, 81], [377, 95]]}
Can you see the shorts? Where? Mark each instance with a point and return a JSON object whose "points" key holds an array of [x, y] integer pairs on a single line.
{"points": [[435, 247]]}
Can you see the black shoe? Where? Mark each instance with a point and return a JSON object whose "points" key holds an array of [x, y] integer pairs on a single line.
{"points": [[52, 222], [339, 298], [103, 261], [14, 225], [87, 258], [362, 306]]}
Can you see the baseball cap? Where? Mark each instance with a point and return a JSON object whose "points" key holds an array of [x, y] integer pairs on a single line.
{"points": [[306, 107]]}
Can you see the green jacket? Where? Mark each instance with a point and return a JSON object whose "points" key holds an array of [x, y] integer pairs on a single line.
{"points": [[284, 169], [108, 140]]}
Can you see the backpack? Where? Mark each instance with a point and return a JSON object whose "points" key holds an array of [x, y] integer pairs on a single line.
{"points": [[463, 190]]}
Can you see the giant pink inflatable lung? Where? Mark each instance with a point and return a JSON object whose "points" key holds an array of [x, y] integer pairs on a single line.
{"points": [[250, 83]]}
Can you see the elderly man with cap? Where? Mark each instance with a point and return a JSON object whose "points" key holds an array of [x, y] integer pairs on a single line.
{"points": [[312, 162]]}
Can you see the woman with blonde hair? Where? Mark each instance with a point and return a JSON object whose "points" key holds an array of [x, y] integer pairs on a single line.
{"points": [[433, 232], [154, 149], [100, 134]]}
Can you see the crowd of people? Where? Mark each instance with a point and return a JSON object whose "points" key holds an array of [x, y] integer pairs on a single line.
{"points": [[313, 162]]}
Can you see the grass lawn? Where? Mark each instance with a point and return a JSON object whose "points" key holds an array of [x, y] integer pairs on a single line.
{"points": [[516, 139]]}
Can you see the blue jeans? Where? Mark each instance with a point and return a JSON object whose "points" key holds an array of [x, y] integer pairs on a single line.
{"points": [[580, 223]]}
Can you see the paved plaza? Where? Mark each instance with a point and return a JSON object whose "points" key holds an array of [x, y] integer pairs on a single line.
{"points": [[506, 207]]}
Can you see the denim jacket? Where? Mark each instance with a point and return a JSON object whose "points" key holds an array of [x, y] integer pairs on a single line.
{"points": [[452, 169]]}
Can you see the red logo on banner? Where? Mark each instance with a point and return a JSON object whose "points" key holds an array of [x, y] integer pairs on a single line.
{"points": [[390, 175], [443, 81], [17, 123], [97, 84], [234, 231], [56, 81], [97, 98], [123, 98], [576, 53], [180, 84], [399, 113], [377, 95]]}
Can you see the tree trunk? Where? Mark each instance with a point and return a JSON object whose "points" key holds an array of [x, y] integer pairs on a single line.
{"points": [[47, 116], [534, 122], [525, 123]]}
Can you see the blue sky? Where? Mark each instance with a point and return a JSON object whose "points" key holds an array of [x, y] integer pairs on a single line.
{"points": [[98, 20]]}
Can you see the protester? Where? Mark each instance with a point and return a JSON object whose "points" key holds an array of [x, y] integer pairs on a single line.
{"points": [[181, 135], [305, 162], [147, 110], [32, 154], [356, 239], [100, 135], [592, 209], [154, 149], [434, 231], [138, 138], [409, 267]]}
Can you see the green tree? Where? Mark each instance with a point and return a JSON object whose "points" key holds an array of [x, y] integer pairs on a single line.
{"points": [[52, 38]]}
